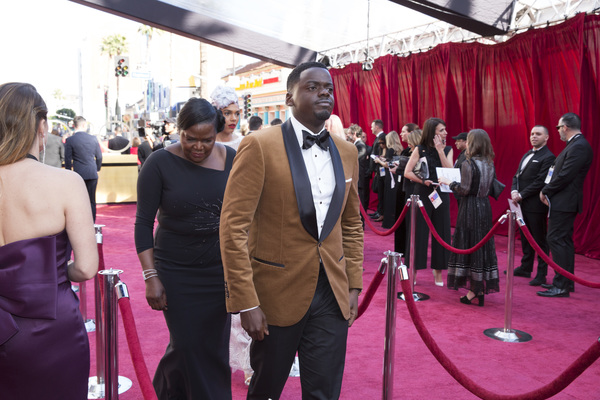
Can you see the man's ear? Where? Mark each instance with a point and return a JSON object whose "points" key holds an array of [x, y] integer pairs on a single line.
{"points": [[289, 101]]}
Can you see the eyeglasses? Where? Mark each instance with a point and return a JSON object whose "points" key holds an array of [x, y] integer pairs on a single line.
{"points": [[559, 126]]}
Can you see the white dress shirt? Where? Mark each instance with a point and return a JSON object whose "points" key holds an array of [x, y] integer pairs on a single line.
{"points": [[320, 172]]}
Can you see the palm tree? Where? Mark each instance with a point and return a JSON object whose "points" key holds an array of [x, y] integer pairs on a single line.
{"points": [[148, 32], [114, 45]]}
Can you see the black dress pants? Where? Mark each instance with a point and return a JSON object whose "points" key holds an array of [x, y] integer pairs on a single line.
{"points": [[537, 225], [90, 185], [320, 340], [560, 241]]}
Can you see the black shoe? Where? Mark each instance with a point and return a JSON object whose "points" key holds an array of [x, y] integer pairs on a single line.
{"points": [[480, 299], [371, 214], [547, 285], [375, 216], [537, 281], [554, 292], [520, 271]]}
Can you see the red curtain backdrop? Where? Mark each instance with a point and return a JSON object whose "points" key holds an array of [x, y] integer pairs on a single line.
{"points": [[506, 89]]}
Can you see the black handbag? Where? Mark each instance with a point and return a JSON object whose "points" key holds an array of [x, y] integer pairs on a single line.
{"points": [[496, 188]]}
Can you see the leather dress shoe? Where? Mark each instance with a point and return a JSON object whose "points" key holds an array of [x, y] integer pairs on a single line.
{"points": [[554, 292], [375, 216], [547, 285], [371, 214], [379, 219], [520, 271], [537, 281]]}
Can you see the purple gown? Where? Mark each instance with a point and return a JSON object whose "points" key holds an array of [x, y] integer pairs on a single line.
{"points": [[44, 349]]}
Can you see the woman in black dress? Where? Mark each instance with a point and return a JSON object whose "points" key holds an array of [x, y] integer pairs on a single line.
{"points": [[433, 149], [401, 196], [185, 183], [394, 149], [478, 271]]}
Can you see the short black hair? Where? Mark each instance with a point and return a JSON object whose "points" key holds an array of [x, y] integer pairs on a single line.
{"points": [[378, 122], [572, 121], [276, 121], [200, 111], [254, 123], [294, 76]]}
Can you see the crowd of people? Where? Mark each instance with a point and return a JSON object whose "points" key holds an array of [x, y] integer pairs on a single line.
{"points": [[257, 257]]}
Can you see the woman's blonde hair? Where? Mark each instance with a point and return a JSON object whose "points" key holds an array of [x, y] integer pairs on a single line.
{"points": [[414, 138], [21, 110], [392, 141]]}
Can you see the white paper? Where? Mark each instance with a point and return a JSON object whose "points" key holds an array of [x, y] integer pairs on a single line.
{"points": [[453, 174]]}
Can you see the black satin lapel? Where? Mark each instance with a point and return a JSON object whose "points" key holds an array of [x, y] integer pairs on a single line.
{"points": [[306, 206], [335, 207]]}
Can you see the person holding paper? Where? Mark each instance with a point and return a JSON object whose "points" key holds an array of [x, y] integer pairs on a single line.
{"points": [[433, 150], [478, 271]]}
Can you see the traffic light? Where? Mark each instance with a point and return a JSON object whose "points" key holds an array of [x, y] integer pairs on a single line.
{"points": [[121, 66], [248, 105]]}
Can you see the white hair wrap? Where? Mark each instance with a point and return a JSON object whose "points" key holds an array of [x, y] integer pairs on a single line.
{"points": [[223, 96]]}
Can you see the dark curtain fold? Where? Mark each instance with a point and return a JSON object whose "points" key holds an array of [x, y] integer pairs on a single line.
{"points": [[506, 89]]}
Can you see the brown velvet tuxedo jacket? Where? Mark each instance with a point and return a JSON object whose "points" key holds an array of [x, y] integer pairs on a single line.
{"points": [[269, 241]]}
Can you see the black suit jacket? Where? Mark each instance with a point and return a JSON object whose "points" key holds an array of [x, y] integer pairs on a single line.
{"points": [[82, 153], [118, 143], [530, 180], [565, 189], [363, 163]]}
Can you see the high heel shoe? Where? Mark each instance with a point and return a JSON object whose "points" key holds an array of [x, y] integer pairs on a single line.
{"points": [[480, 300], [435, 276]]}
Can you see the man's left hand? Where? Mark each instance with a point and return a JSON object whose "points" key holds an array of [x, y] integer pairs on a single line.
{"points": [[353, 306]]}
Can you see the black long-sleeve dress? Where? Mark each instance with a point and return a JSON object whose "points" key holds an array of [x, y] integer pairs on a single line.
{"points": [[477, 271], [440, 217], [188, 198]]}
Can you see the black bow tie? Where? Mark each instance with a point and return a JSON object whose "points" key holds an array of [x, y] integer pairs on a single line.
{"points": [[321, 140]]}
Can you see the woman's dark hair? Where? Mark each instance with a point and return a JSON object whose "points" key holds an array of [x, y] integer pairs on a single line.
{"points": [[21, 110], [199, 111], [411, 126], [480, 145], [429, 131]]}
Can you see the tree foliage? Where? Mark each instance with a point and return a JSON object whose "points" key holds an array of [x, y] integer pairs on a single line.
{"points": [[114, 45]]}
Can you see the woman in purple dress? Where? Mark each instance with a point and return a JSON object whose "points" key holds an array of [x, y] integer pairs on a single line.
{"points": [[44, 214]]}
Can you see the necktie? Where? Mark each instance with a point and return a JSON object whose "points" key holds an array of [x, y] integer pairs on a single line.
{"points": [[320, 140]]}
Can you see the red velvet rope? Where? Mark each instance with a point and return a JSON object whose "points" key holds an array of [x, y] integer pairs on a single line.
{"points": [[562, 381], [392, 229], [100, 257], [364, 304], [137, 357], [454, 249], [551, 263]]}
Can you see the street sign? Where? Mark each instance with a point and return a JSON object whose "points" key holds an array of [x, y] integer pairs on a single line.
{"points": [[140, 74]]}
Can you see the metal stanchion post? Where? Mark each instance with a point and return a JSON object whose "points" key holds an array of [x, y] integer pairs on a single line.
{"points": [[393, 260], [115, 384], [507, 334], [414, 203], [96, 383]]}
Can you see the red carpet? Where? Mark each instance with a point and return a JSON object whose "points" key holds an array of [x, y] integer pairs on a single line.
{"points": [[562, 329]]}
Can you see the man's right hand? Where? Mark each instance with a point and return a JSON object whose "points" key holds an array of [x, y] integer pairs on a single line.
{"points": [[254, 323]]}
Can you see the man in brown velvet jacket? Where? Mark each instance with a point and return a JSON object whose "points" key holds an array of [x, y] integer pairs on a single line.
{"points": [[292, 242]]}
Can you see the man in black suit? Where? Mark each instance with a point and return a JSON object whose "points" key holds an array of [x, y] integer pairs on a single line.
{"points": [[526, 186], [119, 142], [377, 129], [460, 141], [356, 133], [563, 193], [82, 153]]}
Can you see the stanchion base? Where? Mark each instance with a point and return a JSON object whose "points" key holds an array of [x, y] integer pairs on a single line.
{"points": [[507, 335], [90, 325], [96, 391], [416, 296]]}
